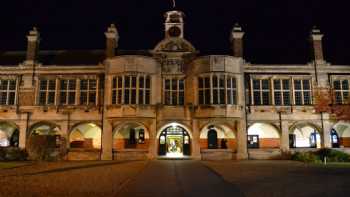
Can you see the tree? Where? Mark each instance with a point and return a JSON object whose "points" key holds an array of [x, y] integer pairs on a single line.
{"points": [[324, 103]]}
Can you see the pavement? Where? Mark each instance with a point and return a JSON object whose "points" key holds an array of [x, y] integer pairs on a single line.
{"points": [[178, 178]]}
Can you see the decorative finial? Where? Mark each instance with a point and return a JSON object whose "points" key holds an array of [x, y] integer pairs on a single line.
{"points": [[174, 4]]}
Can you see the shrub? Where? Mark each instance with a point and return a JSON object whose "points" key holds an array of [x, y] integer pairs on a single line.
{"points": [[333, 155], [307, 157], [13, 154], [46, 148]]}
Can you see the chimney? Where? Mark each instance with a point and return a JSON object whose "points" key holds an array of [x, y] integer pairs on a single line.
{"points": [[317, 48], [237, 41], [112, 39], [33, 45]]}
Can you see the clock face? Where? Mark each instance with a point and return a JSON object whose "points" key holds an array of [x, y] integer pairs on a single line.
{"points": [[174, 31]]}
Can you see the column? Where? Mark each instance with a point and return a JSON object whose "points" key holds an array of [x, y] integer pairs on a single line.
{"points": [[107, 141], [23, 131], [326, 137], [196, 152], [242, 151], [153, 141], [285, 136]]}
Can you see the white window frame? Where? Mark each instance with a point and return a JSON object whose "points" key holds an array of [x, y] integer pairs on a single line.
{"points": [[302, 90], [47, 91], [8, 91]]}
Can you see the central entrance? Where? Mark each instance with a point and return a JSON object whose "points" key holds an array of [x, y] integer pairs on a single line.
{"points": [[174, 141]]}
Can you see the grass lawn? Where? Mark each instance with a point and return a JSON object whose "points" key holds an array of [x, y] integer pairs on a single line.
{"points": [[334, 165], [5, 165]]}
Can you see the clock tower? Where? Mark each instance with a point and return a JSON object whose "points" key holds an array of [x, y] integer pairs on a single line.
{"points": [[174, 24]]}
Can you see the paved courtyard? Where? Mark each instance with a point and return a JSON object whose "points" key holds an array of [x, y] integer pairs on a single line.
{"points": [[174, 178]]}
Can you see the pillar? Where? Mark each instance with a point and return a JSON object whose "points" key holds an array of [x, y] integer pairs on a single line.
{"points": [[237, 41], [326, 137], [153, 141], [107, 141], [196, 152], [285, 136], [112, 39], [242, 150], [23, 132]]}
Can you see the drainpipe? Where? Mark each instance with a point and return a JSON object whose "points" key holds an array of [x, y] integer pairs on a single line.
{"points": [[102, 115], [245, 110]]}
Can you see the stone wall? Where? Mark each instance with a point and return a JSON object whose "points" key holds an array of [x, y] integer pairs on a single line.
{"points": [[217, 154], [83, 155], [130, 154]]}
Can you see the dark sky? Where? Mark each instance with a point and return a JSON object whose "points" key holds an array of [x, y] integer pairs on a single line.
{"points": [[277, 31]]}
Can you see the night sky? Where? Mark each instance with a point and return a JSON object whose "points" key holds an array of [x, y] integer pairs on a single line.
{"points": [[276, 31]]}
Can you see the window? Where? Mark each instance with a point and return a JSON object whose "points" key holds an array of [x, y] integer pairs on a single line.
{"points": [[341, 91], [47, 91], [261, 91], [220, 88], [88, 89], [67, 91], [302, 92], [174, 91], [131, 90], [282, 91], [7, 92], [231, 91]]}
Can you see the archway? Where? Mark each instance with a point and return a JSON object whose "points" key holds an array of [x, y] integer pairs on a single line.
{"points": [[225, 137], [342, 130], [263, 135], [9, 135], [85, 135], [131, 135], [44, 129], [304, 136], [174, 141]]}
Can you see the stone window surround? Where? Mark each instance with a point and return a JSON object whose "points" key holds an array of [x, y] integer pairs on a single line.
{"points": [[281, 77], [8, 91], [171, 78], [58, 78], [340, 78], [118, 90], [218, 75]]}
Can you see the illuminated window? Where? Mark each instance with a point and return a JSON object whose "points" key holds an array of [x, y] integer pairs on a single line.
{"points": [[7, 92], [47, 91]]}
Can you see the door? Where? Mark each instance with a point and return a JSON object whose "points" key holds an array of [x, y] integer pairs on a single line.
{"points": [[162, 145], [292, 141], [335, 139], [253, 141], [313, 140], [187, 145], [212, 139]]}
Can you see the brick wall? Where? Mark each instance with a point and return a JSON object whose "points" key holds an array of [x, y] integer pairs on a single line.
{"points": [[270, 142], [345, 141], [120, 144]]}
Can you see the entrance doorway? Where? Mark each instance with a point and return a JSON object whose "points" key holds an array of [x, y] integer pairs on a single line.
{"points": [[174, 141]]}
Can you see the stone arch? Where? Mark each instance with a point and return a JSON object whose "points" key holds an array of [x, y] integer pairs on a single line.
{"points": [[130, 135], [269, 135], [180, 124], [305, 135], [224, 132], [85, 135], [174, 140], [343, 130], [44, 128], [9, 134]]}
